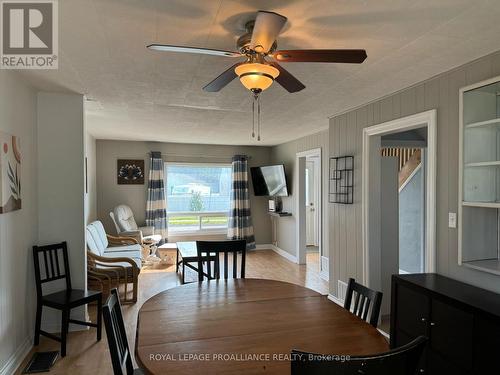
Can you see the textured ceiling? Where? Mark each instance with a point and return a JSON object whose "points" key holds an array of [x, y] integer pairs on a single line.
{"points": [[139, 94]]}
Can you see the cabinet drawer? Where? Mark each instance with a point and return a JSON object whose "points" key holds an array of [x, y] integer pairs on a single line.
{"points": [[451, 333], [412, 312]]}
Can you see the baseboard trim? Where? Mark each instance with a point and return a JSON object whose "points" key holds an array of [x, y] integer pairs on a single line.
{"points": [[338, 301], [265, 246], [276, 249], [284, 254], [17, 358]]}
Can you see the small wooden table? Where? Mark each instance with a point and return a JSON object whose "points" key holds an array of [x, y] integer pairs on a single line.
{"points": [[187, 254], [244, 326]]}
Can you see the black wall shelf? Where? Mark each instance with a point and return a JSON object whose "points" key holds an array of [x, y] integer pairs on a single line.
{"points": [[341, 180]]}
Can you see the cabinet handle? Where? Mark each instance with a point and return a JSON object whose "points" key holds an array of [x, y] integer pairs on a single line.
{"points": [[433, 324], [423, 320], [421, 370]]}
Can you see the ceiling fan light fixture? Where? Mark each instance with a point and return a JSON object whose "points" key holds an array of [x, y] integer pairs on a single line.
{"points": [[256, 76]]}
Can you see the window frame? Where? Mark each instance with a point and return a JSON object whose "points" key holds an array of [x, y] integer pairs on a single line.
{"points": [[200, 215]]}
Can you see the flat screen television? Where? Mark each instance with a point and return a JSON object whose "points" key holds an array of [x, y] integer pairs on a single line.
{"points": [[269, 181]]}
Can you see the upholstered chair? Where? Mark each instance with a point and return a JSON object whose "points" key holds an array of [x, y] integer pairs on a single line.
{"points": [[125, 224]]}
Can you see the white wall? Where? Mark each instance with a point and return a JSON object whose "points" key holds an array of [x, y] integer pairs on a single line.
{"points": [[18, 229], [110, 194], [91, 182], [61, 184]]}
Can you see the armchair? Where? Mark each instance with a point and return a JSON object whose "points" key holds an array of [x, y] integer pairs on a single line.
{"points": [[112, 260], [125, 224]]}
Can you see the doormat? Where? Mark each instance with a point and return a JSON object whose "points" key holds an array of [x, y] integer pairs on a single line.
{"points": [[41, 362]]}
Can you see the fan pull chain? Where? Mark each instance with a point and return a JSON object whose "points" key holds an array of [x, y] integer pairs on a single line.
{"points": [[258, 118], [253, 117]]}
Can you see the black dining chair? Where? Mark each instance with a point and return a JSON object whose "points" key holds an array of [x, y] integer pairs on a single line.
{"points": [[52, 264], [400, 361], [366, 303], [206, 251], [117, 337]]}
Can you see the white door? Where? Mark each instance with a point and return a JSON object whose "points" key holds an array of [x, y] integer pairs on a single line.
{"points": [[310, 202]]}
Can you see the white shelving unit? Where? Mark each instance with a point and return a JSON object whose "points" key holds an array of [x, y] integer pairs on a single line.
{"points": [[483, 164], [479, 177], [493, 122]]}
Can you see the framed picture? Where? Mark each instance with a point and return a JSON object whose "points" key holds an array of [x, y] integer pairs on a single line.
{"points": [[130, 172], [10, 173]]}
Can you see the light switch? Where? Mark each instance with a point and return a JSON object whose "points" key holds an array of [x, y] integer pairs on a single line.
{"points": [[452, 220]]}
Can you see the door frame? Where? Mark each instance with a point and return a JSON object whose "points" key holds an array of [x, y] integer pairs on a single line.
{"points": [[300, 233], [369, 227], [315, 194]]}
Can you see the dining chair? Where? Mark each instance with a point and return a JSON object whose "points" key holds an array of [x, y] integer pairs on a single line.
{"points": [[52, 264], [206, 249], [366, 303], [400, 361], [117, 337]]}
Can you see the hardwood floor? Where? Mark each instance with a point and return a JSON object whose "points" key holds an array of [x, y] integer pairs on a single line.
{"points": [[87, 356]]}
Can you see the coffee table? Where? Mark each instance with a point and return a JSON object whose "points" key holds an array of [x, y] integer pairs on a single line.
{"points": [[187, 254]]}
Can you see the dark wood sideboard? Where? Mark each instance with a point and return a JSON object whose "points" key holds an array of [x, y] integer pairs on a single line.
{"points": [[461, 321]]}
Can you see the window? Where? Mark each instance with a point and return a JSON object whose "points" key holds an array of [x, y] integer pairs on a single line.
{"points": [[198, 197]]}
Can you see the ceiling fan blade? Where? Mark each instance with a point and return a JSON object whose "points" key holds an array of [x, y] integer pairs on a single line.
{"points": [[287, 80], [203, 51], [266, 29], [352, 56], [222, 80]]}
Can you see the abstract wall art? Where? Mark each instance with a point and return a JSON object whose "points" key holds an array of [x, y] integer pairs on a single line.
{"points": [[130, 172], [10, 173]]}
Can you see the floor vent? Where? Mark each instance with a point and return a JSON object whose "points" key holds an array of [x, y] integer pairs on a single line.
{"points": [[41, 362], [341, 290]]}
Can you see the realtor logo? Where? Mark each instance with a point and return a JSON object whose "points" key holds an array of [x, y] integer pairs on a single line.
{"points": [[29, 34]]}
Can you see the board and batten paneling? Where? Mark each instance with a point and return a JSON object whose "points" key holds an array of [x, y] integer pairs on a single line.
{"points": [[286, 154], [18, 229], [441, 93]]}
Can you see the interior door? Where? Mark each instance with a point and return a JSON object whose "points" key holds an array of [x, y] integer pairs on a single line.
{"points": [[310, 205], [389, 226]]}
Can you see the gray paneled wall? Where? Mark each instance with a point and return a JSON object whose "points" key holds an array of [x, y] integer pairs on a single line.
{"points": [[286, 154], [440, 92]]}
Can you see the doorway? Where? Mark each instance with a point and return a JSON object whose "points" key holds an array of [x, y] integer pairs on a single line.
{"points": [[399, 195], [309, 203]]}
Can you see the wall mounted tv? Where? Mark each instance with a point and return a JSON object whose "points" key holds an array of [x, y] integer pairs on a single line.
{"points": [[269, 181]]}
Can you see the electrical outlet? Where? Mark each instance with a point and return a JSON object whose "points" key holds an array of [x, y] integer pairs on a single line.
{"points": [[452, 220]]}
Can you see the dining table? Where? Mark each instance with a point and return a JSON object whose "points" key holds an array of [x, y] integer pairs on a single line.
{"points": [[245, 326]]}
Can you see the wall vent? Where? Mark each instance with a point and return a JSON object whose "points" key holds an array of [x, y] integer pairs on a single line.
{"points": [[341, 290]]}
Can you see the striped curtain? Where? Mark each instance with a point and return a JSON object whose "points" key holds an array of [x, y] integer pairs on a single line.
{"points": [[240, 221], [156, 206]]}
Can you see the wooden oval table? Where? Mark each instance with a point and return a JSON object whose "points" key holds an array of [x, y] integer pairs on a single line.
{"points": [[244, 326]]}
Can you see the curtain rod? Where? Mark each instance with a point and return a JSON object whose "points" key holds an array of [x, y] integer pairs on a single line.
{"points": [[198, 156]]}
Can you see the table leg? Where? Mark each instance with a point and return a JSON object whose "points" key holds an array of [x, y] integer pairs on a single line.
{"points": [[183, 272], [177, 261]]}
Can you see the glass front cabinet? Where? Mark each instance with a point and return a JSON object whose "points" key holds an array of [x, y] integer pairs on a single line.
{"points": [[479, 176]]}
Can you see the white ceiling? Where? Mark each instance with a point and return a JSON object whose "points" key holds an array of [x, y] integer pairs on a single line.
{"points": [[138, 94]]}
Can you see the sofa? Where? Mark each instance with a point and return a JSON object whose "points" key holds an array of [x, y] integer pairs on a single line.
{"points": [[112, 258]]}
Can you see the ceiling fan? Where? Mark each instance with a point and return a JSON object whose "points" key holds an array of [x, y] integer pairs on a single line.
{"points": [[257, 45]]}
